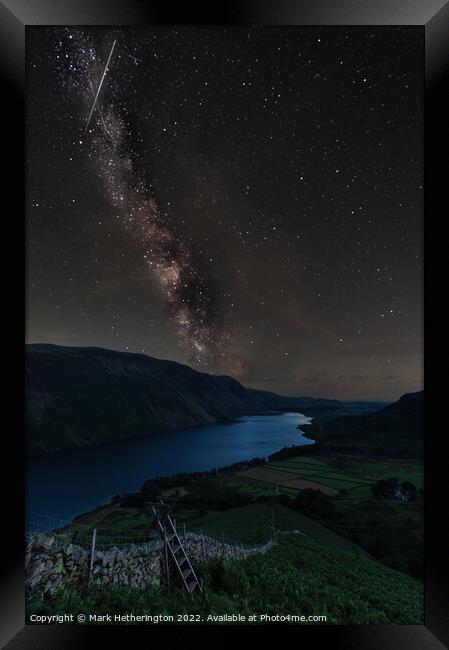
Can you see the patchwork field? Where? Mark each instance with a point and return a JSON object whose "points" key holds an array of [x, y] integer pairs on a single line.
{"points": [[301, 484], [353, 475]]}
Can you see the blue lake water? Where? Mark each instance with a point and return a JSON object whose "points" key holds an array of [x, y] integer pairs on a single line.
{"points": [[63, 484]]}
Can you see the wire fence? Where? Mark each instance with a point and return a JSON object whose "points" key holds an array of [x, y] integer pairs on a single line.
{"points": [[81, 534]]}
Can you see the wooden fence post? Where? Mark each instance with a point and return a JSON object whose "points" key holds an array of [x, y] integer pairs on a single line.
{"points": [[167, 566], [92, 554], [203, 551]]}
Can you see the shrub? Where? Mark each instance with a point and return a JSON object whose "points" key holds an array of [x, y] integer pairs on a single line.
{"points": [[221, 604]]}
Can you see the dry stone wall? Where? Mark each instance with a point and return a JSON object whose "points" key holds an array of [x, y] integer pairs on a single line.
{"points": [[205, 549], [51, 563]]}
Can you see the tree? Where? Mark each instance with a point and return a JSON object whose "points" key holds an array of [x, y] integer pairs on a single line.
{"points": [[315, 504], [385, 489], [409, 490]]}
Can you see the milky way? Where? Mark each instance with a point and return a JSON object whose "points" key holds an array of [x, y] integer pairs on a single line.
{"points": [[247, 200], [108, 145]]}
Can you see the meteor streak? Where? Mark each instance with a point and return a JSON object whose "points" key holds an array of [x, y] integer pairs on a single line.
{"points": [[170, 264], [99, 109], [99, 86]]}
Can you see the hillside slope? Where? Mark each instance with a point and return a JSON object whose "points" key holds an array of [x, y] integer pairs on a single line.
{"points": [[83, 396], [396, 429], [295, 577]]}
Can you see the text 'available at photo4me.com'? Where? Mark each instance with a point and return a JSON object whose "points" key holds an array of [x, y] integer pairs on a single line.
{"points": [[157, 619]]}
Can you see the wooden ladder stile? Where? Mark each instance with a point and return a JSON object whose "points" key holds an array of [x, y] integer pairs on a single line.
{"points": [[177, 552]]}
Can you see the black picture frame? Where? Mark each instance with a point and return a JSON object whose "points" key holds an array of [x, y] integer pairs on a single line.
{"points": [[15, 16]]}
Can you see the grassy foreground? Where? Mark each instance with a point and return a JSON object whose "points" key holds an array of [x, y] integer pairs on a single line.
{"points": [[297, 576]]}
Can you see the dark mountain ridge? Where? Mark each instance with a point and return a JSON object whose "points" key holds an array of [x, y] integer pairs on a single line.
{"points": [[396, 429], [81, 396]]}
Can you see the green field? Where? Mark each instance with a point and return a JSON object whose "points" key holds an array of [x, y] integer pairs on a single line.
{"points": [[353, 473], [359, 492], [405, 471], [248, 487], [253, 524], [114, 526], [343, 478], [222, 487]]}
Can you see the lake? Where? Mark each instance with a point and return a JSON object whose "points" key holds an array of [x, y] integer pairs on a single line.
{"points": [[66, 483]]}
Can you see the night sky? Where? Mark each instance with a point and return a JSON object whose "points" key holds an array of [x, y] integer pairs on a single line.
{"points": [[245, 200]]}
